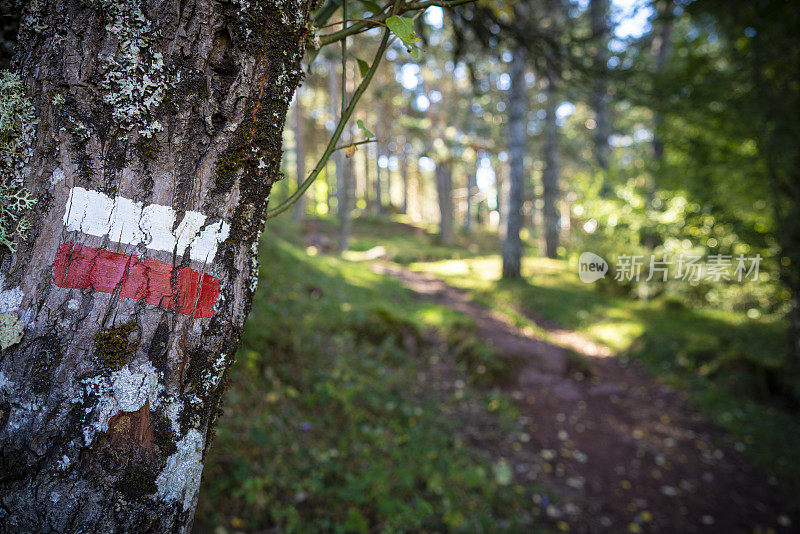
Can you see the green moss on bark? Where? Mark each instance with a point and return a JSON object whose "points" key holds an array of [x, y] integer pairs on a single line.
{"points": [[112, 346]]}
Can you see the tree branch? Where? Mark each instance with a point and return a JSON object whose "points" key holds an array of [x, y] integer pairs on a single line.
{"points": [[380, 19], [362, 142]]}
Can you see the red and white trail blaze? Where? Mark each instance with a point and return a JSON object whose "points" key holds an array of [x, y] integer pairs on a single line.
{"points": [[128, 223]]}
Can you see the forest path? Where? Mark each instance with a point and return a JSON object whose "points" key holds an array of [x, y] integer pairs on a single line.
{"points": [[621, 451]]}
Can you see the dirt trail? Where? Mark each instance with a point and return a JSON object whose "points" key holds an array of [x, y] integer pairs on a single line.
{"points": [[622, 452]]}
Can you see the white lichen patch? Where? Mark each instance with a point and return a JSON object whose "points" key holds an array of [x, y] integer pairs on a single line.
{"points": [[211, 377], [5, 383], [125, 390], [11, 329], [57, 176], [180, 479], [132, 388], [135, 78], [17, 133], [63, 463], [11, 298], [172, 411]]}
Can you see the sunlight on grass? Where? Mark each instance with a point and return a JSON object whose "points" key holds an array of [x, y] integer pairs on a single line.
{"points": [[617, 336]]}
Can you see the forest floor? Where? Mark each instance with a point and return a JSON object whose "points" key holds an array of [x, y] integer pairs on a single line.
{"points": [[403, 386], [610, 440]]}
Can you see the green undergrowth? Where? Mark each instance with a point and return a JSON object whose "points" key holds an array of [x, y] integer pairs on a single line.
{"points": [[731, 365], [341, 417]]}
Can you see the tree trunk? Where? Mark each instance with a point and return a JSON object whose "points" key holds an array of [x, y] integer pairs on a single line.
{"points": [[300, 157], [444, 190], [152, 140], [344, 199], [346, 189], [378, 185], [501, 194], [517, 129], [599, 96], [404, 176], [368, 201], [471, 190], [661, 49], [550, 189], [343, 167]]}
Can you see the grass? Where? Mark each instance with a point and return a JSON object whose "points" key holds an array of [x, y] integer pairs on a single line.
{"points": [[337, 418], [730, 364]]}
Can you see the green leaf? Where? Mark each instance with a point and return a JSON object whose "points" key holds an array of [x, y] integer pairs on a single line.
{"points": [[372, 6], [403, 27], [364, 129], [363, 66]]}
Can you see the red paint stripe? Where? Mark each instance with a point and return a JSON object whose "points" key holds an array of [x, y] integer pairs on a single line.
{"points": [[77, 266]]}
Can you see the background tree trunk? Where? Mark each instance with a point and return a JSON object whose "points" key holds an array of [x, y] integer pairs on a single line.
{"points": [[501, 192], [369, 204], [380, 210], [300, 157], [517, 130], [342, 163], [661, 50], [550, 190], [157, 140], [345, 189], [599, 96], [471, 190], [444, 190], [403, 155], [380, 148]]}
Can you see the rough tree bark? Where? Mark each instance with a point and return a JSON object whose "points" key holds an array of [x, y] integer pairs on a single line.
{"points": [[599, 97], [152, 144], [300, 157], [550, 190], [444, 191], [517, 135]]}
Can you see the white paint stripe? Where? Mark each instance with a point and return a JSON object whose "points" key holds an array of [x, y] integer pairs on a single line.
{"points": [[131, 223]]}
